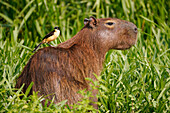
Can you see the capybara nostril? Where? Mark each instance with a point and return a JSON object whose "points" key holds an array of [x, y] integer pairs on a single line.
{"points": [[136, 29]]}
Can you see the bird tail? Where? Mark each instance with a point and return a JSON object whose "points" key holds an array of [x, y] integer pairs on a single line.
{"points": [[37, 47]]}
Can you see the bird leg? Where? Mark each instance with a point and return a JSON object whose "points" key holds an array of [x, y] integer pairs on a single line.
{"points": [[50, 44]]}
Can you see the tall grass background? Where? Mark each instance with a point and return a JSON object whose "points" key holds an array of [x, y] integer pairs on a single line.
{"points": [[134, 80]]}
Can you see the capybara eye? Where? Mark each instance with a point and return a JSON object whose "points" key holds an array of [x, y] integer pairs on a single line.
{"points": [[110, 23]]}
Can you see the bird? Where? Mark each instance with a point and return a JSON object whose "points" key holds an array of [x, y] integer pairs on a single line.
{"points": [[50, 37]]}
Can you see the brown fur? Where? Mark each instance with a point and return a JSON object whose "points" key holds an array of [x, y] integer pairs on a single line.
{"points": [[62, 70]]}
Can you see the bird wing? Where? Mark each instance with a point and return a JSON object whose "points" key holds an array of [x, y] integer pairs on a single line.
{"points": [[49, 34]]}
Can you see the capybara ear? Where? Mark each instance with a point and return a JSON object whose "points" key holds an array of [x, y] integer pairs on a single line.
{"points": [[86, 21], [93, 21]]}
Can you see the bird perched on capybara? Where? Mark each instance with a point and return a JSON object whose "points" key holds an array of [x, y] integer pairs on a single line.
{"points": [[49, 37], [62, 70]]}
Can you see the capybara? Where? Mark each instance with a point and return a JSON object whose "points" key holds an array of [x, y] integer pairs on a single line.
{"points": [[61, 70]]}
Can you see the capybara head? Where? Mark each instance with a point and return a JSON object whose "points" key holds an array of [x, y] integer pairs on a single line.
{"points": [[113, 33]]}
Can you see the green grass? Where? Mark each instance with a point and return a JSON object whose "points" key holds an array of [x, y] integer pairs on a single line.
{"points": [[134, 80]]}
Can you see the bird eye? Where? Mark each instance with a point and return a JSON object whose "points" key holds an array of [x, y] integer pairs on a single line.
{"points": [[110, 23]]}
